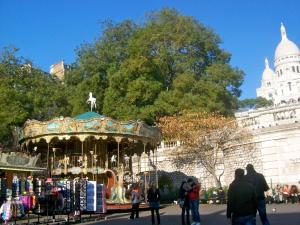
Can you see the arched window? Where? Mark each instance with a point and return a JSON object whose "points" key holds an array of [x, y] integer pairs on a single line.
{"points": [[298, 71], [280, 71], [293, 69]]}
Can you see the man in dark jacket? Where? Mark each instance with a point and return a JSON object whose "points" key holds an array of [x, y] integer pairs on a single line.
{"points": [[153, 199], [242, 203], [260, 184]]}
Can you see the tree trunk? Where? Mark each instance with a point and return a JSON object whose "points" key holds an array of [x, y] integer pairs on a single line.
{"points": [[218, 183]]}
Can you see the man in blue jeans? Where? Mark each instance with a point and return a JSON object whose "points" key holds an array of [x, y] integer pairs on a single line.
{"points": [[242, 203], [194, 201], [260, 184]]}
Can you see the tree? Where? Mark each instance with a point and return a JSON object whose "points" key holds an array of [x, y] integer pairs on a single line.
{"points": [[95, 61], [26, 93], [204, 138], [169, 63], [255, 103]]}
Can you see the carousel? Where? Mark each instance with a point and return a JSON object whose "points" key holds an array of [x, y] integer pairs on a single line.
{"points": [[92, 146]]}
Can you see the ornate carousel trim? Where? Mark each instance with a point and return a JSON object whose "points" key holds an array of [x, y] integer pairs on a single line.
{"points": [[100, 127]]}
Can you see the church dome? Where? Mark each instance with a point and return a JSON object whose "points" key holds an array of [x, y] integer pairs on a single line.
{"points": [[285, 47], [268, 73]]}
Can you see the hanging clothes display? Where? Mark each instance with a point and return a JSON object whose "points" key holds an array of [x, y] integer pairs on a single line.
{"points": [[15, 187], [38, 186], [3, 190], [12, 210], [69, 196], [28, 202], [6, 211], [101, 198], [29, 185], [91, 196], [83, 189], [77, 194]]}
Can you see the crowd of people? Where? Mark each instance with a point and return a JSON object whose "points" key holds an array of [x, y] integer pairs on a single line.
{"points": [[284, 194], [246, 197]]}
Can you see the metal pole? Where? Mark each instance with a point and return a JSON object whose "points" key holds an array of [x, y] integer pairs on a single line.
{"points": [[118, 154], [106, 156], [48, 153], [156, 177], [145, 176], [82, 163]]}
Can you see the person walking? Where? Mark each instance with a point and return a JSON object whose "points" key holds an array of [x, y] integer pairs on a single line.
{"points": [[184, 202], [241, 201], [194, 201], [259, 182], [153, 196], [135, 201]]}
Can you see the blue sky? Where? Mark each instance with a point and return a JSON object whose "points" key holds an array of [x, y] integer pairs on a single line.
{"points": [[48, 31]]}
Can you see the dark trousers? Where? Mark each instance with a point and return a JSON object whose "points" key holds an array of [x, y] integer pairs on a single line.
{"points": [[185, 214], [135, 210], [244, 220], [157, 215], [261, 207]]}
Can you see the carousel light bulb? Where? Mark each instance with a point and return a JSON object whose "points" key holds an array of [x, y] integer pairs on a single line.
{"points": [[92, 152]]}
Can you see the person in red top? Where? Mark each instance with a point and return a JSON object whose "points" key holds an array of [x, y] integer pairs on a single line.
{"points": [[194, 201]]}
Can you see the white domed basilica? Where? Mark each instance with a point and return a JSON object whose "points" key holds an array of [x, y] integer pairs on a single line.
{"points": [[283, 84]]}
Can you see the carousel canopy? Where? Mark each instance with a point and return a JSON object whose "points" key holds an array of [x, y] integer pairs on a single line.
{"points": [[88, 115], [86, 125]]}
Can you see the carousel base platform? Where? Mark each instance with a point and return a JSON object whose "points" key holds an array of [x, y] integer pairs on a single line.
{"points": [[124, 207]]}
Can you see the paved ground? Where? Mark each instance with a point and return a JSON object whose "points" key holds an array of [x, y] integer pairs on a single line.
{"points": [[210, 215]]}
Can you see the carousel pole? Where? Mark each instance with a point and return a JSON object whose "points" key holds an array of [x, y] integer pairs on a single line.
{"points": [[118, 154], [95, 161], [82, 158], [106, 155], [149, 169], [48, 153], [145, 175], [155, 161]]}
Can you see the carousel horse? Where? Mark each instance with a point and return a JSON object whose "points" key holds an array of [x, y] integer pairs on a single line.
{"points": [[113, 161], [92, 101]]}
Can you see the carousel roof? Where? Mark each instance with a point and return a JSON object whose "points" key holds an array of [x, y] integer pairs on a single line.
{"points": [[86, 125], [88, 115]]}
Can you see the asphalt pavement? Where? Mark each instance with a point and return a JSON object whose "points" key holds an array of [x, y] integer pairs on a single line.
{"points": [[282, 214]]}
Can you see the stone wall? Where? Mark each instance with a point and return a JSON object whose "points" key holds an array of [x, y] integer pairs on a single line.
{"points": [[274, 151]]}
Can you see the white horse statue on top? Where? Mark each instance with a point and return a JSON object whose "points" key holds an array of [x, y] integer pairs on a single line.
{"points": [[91, 100]]}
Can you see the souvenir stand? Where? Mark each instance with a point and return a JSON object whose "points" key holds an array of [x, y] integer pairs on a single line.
{"points": [[16, 184], [89, 157]]}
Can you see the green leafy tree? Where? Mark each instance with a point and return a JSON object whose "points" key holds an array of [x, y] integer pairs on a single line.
{"points": [[26, 93], [179, 61], [255, 103], [95, 61]]}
